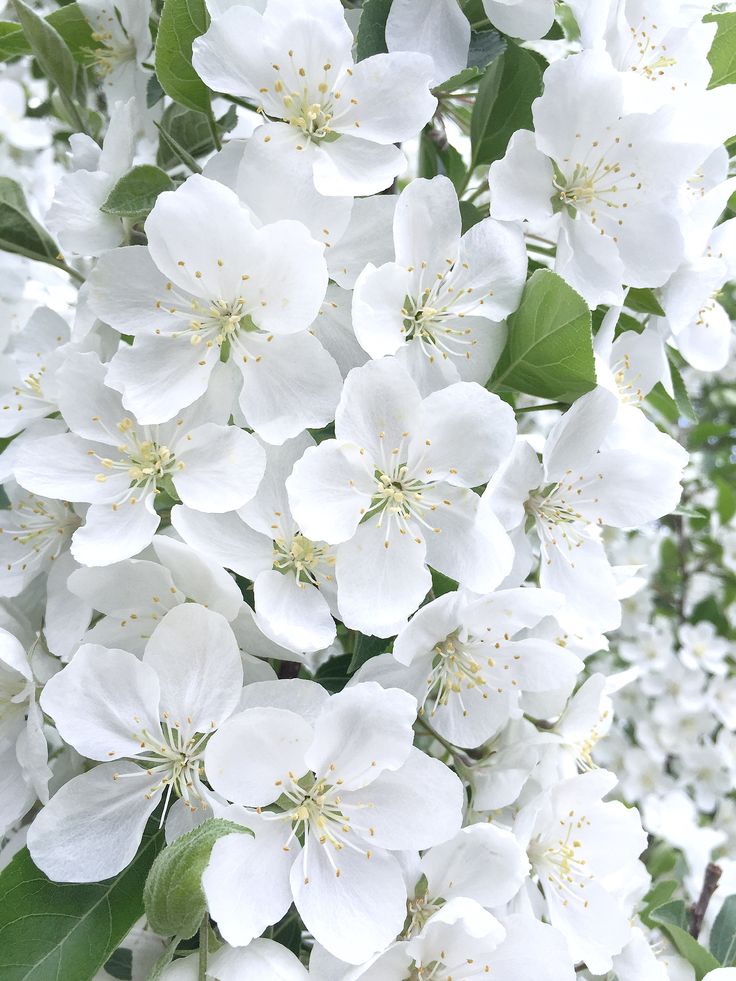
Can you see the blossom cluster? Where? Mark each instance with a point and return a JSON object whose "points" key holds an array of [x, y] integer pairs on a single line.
{"points": [[295, 545]]}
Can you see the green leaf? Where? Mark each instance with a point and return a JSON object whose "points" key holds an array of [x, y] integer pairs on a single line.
{"points": [[671, 918], [469, 215], [51, 931], [76, 32], [434, 160], [335, 673], [442, 584], [12, 42], [726, 500], [120, 965], [682, 399], [663, 402], [154, 92], [173, 896], [181, 22], [485, 47], [191, 132], [644, 301], [365, 648], [722, 55], [135, 193], [371, 38], [723, 933], [549, 352], [504, 103], [177, 150], [656, 897], [48, 48], [19, 230]]}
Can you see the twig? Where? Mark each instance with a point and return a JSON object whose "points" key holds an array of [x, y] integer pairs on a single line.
{"points": [[698, 910]]}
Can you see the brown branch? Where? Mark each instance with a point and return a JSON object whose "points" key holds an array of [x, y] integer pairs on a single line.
{"points": [[698, 910]]}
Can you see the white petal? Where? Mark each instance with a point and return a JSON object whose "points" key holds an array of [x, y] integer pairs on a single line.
{"points": [[91, 829], [356, 913], [109, 535], [101, 701], [378, 300], [221, 468], [224, 538], [352, 166], [441, 31], [196, 658], [295, 614], [380, 580], [289, 384], [276, 742], [198, 578], [361, 732], [247, 880], [521, 183], [368, 238], [329, 491], [416, 806]]}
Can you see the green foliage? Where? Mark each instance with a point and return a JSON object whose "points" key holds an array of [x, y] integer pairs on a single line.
{"points": [[671, 918], [181, 22], [656, 897], [469, 215], [19, 230], [504, 103], [722, 55], [371, 38], [436, 156], [68, 21], [81, 925], [644, 301], [173, 896], [549, 352], [335, 673], [442, 584], [135, 193], [723, 934], [364, 649], [485, 47], [682, 399], [49, 49], [191, 132]]}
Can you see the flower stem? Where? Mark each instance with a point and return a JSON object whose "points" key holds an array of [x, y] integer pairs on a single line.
{"points": [[203, 931]]}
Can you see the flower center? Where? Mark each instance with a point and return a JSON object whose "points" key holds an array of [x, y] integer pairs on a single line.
{"points": [[555, 511], [147, 462], [301, 557], [111, 54], [175, 763], [307, 104], [561, 863]]}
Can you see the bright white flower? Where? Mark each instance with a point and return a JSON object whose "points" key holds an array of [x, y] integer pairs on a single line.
{"points": [[586, 719], [124, 35], [598, 468], [295, 63], [135, 594], [584, 850], [34, 532], [638, 962], [212, 286], [261, 960], [722, 700], [468, 661], [462, 942], [24, 771], [293, 577], [75, 216], [338, 790], [437, 28], [438, 306], [482, 862], [21, 131], [28, 368], [393, 491], [510, 760], [119, 467], [702, 649], [148, 722], [612, 179], [659, 46], [527, 19]]}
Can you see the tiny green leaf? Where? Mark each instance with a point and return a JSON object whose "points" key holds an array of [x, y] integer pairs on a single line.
{"points": [[671, 919], [682, 399], [469, 215], [335, 673], [51, 930], [181, 22], [19, 230], [49, 49], [504, 103], [722, 55], [485, 47], [135, 193], [549, 352], [371, 38], [173, 896], [365, 648], [644, 301], [723, 933]]}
